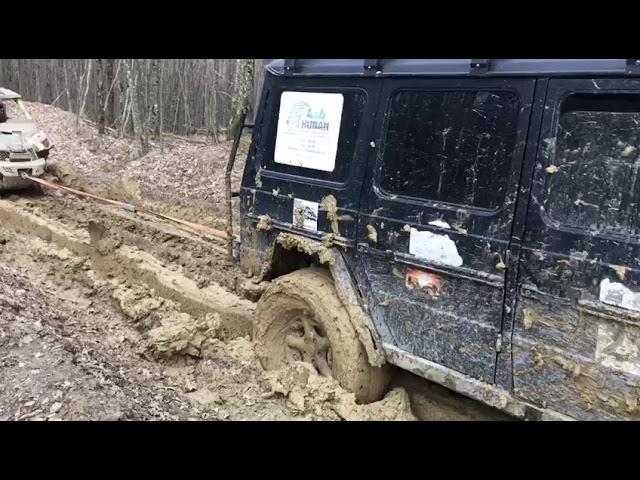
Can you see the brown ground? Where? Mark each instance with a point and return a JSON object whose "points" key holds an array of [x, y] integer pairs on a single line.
{"points": [[107, 314]]}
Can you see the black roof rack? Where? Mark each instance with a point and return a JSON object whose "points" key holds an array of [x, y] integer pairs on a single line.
{"points": [[454, 67]]}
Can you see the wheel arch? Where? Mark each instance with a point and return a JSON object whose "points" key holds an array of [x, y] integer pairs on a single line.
{"points": [[291, 252]]}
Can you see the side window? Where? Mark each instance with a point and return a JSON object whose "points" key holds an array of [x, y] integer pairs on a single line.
{"points": [[315, 133], [450, 146], [593, 178]]}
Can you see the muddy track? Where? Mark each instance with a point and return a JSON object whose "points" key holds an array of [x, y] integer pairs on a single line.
{"points": [[148, 313], [201, 259], [96, 349]]}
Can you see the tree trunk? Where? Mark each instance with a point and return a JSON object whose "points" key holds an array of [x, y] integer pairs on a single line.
{"points": [[36, 81], [125, 112], [132, 81], [185, 98], [242, 97], [101, 95], [109, 107], [19, 75], [258, 81], [160, 109], [66, 84], [54, 80], [152, 109], [205, 113], [86, 91], [124, 101], [214, 106]]}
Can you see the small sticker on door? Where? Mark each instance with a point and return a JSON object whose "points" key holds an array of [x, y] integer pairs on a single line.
{"points": [[305, 214], [423, 281]]}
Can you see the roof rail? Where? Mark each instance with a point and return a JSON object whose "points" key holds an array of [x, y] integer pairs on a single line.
{"points": [[458, 67]]}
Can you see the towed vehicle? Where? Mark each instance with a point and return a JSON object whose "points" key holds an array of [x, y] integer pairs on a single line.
{"points": [[23, 147]]}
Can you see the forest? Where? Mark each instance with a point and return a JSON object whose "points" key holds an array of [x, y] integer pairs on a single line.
{"points": [[143, 98]]}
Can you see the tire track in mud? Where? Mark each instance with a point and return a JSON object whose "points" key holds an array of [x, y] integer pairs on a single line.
{"points": [[203, 260]]}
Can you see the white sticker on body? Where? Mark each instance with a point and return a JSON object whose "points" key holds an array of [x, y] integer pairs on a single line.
{"points": [[305, 214], [618, 347], [308, 129], [615, 293], [434, 247]]}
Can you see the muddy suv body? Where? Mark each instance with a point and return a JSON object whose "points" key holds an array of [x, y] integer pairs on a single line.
{"points": [[479, 217], [23, 147]]}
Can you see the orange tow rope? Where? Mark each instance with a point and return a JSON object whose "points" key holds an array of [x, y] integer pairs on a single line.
{"points": [[196, 227]]}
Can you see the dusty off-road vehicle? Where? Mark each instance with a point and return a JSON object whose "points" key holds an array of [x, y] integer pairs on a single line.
{"points": [[472, 221], [23, 148]]}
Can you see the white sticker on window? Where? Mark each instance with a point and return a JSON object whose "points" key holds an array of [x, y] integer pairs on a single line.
{"points": [[308, 129], [305, 214]]}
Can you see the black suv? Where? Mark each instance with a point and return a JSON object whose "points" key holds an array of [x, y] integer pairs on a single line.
{"points": [[472, 221]]}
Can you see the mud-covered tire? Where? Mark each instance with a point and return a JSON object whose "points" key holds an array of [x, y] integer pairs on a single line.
{"points": [[311, 292]]}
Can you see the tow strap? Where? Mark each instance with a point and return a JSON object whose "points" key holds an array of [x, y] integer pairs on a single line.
{"points": [[195, 227]]}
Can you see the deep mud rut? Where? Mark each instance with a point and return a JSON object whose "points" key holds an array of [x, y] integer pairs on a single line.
{"points": [[108, 314]]}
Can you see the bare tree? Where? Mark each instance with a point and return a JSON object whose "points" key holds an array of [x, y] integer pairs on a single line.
{"points": [[132, 87], [152, 109], [86, 91], [66, 84], [101, 94], [36, 81], [161, 109], [214, 103], [243, 93], [110, 80], [143, 97]]}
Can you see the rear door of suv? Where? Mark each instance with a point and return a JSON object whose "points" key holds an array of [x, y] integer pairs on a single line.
{"points": [[436, 215], [306, 165], [576, 340]]}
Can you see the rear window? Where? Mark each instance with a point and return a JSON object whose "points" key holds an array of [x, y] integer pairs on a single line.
{"points": [[450, 146], [315, 133], [593, 178]]}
